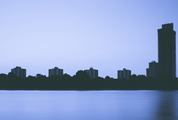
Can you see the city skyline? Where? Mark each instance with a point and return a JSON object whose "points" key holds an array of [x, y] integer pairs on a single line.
{"points": [[163, 69], [159, 75], [80, 34]]}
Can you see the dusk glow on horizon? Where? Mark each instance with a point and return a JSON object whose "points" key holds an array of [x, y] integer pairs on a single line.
{"points": [[107, 35]]}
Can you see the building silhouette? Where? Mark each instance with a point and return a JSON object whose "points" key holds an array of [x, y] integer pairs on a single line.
{"points": [[167, 52], [18, 72], [124, 74], [152, 70], [92, 73], [55, 72]]}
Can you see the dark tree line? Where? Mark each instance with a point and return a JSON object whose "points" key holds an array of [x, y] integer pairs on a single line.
{"points": [[81, 81]]}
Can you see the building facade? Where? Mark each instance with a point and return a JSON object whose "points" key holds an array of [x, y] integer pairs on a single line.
{"points": [[18, 72], [92, 73], [167, 52], [55, 72], [124, 74], [152, 71]]}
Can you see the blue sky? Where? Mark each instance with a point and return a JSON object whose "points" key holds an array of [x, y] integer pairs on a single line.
{"points": [[77, 34]]}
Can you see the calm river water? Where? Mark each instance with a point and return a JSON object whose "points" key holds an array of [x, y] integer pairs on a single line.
{"points": [[88, 105]]}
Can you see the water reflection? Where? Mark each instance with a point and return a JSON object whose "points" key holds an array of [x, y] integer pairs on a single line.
{"points": [[166, 106], [88, 105]]}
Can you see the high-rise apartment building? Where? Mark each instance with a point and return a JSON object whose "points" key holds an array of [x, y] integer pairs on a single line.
{"points": [[167, 52]]}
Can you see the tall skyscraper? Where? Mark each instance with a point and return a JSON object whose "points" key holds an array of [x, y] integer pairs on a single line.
{"points": [[167, 52]]}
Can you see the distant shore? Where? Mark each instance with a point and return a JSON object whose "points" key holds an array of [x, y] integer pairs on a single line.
{"points": [[88, 85]]}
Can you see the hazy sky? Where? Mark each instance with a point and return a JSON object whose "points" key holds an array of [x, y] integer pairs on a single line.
{"points": [[77, 34]]}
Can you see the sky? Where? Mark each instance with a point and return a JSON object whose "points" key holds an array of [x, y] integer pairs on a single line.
{"points": [[107, 35]]}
